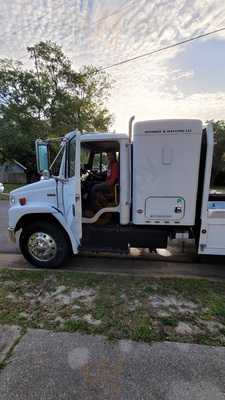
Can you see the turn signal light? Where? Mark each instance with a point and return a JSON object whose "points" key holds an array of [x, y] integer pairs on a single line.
{"points": [[22, 201]]}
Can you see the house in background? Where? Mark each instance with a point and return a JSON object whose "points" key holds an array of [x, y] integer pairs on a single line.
{"points": [[13, 172]]}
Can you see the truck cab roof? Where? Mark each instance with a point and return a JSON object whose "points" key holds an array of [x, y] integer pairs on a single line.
{"points": [[95, 136]]}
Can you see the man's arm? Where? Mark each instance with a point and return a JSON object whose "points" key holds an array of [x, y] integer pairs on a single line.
{"points": [[114, 174]]}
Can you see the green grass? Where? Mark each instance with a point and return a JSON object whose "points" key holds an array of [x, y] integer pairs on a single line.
{"points": [[73, 326], [218, 308], [169, 321], [120, 308]]}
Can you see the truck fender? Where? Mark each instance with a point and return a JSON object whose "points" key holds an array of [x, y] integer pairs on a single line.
{"points": [[18, 216]]}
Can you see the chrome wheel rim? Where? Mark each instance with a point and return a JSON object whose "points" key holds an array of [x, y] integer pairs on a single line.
{"points": [[42, 246]]}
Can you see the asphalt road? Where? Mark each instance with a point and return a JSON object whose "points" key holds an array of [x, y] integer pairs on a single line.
{"points": [[6, 246]]}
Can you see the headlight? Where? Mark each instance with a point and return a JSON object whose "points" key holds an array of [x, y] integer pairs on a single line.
{"points": [[12, 199]]}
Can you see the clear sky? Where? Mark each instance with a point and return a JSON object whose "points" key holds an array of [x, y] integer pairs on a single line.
{"points": [[188, 81]]}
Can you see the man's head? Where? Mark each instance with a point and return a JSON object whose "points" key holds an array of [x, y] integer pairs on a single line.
{"points": [[111, 156]]}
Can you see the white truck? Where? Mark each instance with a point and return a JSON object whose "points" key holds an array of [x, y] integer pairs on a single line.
{"points": [[163, 191]]}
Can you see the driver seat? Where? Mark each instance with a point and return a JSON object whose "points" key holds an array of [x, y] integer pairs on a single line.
{"points": [[113, 197]]}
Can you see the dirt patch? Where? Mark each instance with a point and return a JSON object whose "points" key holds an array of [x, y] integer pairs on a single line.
{"points": [[88, 318], [11, 297], [133, 306], [59, 289], [212, 326], [83, 295], [24, 315], [171, 304], [64, 297], [184, 329]]}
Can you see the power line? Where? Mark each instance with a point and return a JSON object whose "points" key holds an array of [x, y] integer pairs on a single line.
{"points": [[160, 49]]}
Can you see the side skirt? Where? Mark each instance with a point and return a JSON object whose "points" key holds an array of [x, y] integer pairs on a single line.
{"points": [[120, 238]]}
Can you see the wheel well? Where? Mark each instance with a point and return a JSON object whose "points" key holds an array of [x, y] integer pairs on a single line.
{"points": [[39, 217]]}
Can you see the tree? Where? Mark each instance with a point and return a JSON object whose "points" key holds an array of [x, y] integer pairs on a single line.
{"points": [[219, 150], [48, 100]]}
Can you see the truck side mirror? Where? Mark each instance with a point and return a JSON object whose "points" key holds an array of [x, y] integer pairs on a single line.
{"points": [[42, 156]]}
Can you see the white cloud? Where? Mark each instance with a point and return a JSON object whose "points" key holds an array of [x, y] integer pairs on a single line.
{"points": [[205, 106], [148, 87]]}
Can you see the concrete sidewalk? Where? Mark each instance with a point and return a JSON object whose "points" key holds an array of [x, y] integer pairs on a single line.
{"points": [[62, 366]]}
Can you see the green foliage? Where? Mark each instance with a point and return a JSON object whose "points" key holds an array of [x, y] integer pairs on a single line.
{"points": [[169, 321], [48, 100], [219, 150], [143, 333], [218, 309]]}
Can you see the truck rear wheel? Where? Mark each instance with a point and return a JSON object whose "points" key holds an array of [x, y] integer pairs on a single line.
{"points": [[44, 245]]}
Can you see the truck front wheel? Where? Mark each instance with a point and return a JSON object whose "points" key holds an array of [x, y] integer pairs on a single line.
{"points": [[44, 245]]}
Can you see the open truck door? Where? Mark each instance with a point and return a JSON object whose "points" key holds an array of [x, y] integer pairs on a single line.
{"points": [[71, 190], [68, 183]]}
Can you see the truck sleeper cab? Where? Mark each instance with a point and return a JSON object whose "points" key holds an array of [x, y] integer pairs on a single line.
{"points": [[163, 190]]}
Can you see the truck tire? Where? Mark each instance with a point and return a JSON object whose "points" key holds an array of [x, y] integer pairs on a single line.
{"points": [[44, 244]]}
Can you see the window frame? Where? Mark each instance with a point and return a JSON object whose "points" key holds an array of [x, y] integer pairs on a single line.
{"points": [[67, 163]]}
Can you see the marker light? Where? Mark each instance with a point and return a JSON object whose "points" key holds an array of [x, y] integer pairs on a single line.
{"points": [[22, 201]]}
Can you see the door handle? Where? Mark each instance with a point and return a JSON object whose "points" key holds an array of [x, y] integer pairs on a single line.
{"points": [[77, 197]]}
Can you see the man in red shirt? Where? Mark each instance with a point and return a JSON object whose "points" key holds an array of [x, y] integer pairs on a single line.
{"points": [[112, 170], [100, 191]]}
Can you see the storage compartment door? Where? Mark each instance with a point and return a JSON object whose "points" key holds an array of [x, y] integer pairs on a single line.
{"points": [[212, 235], [164, 207]]}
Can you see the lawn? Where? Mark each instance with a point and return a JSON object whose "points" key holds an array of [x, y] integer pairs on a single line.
{"points": [[183, 310]]}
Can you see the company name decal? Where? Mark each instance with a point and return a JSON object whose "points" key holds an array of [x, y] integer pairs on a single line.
{"points": [[188, 130]]}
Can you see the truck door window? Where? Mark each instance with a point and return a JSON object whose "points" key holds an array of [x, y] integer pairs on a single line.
{"points": [[71, 158], [84, 156]]}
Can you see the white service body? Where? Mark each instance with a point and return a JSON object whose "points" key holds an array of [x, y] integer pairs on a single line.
{"points": [[166, 155]]}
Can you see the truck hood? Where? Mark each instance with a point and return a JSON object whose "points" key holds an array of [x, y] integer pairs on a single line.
{"points": [[33, 187], [42, 192]]}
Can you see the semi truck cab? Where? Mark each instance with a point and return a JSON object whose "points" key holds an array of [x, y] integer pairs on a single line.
{"points": [[162, 191]]}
